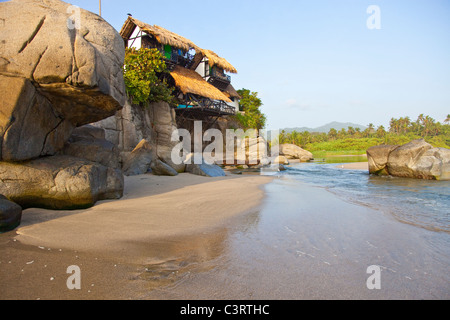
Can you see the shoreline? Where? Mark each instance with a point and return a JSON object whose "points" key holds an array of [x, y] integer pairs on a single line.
{"points": [[315, 247], [114, 239], [354, 166], [251, 237], [152, 208]]}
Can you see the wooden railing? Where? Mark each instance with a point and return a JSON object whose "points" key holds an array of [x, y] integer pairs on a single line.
{"points": [[185, 60], [204, 104], [219, 75]]}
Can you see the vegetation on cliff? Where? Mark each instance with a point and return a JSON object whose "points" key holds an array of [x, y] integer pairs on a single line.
{"points": [[142, 70], [250, 115]]}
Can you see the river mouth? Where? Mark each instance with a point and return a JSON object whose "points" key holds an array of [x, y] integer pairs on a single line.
{"points": [[316, 234], [340, 159], [421, 203], [310, 241]]}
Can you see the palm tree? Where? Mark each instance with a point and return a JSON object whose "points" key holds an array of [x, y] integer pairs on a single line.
{"points": [[403, 124], [369, 130], [341, 134], [420, 124], [295, 137], [428, 125], [394, 125], [407, 124], [381, 132], [333, 134], [447, 121], [351, 131]]}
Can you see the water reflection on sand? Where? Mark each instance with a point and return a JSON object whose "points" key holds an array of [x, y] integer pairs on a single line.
{"points": [[306, 243]]}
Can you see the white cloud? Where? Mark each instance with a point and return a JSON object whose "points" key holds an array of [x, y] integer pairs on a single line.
{"points": [[294, 104]]}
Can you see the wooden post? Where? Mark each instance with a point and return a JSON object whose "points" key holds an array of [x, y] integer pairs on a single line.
{"points": [[100, 7]]}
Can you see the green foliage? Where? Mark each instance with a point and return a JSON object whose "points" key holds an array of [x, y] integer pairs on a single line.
{"points": [[354, 141], [348, 144], [251, 117], [142, 70]]}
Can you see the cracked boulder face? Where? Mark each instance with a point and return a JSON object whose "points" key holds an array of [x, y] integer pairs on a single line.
{"points": [[60, 68], [291, 151], [59, 182], [417, 159]]}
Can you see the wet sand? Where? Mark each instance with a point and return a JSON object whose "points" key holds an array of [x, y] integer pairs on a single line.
{"points": [[263, 238], [355, 166], [112, 240], [308, 243]]}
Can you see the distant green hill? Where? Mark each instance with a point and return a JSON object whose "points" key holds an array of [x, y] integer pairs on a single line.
{"points": [[326, 128]]}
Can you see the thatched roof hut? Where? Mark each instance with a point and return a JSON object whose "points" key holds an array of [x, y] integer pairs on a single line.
{"points": [[162, 35], [167, 37], [231, 92], [215, 60], [189, 81]]}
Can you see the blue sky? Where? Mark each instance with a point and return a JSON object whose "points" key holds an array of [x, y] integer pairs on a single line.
{"points": [[315, 61]]}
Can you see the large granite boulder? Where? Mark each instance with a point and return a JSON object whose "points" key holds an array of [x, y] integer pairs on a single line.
{"points": [[160, 168], [202, 168], [291, 151], [59, 182], [434, 164], [88, 142], [255, 150], [139, 160], [128, 126], [164, 124], [417, 159], [378, 158], [55, 75], [206, 170], [280, 160], [10, 214], [153, 123]]}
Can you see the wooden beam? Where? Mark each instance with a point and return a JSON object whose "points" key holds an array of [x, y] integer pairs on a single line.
{"points": [[197, 60]]}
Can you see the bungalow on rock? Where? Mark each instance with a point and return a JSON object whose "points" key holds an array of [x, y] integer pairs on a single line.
{"points": [[203, 89]]}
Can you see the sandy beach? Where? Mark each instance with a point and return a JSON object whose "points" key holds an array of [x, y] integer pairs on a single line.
{"points": [[111, 239], [355, 166], [240, 237], [309, 243]]}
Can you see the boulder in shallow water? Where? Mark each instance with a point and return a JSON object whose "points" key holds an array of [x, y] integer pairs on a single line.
{"points": [[292, 151], [378, 159], [417, 159], [280, 160]]}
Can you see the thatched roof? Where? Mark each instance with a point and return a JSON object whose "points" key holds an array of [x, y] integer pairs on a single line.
{"points": [[189, 81], [167, 37], [231, 92], [214, 59], [162, 35], [128, 28]]}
